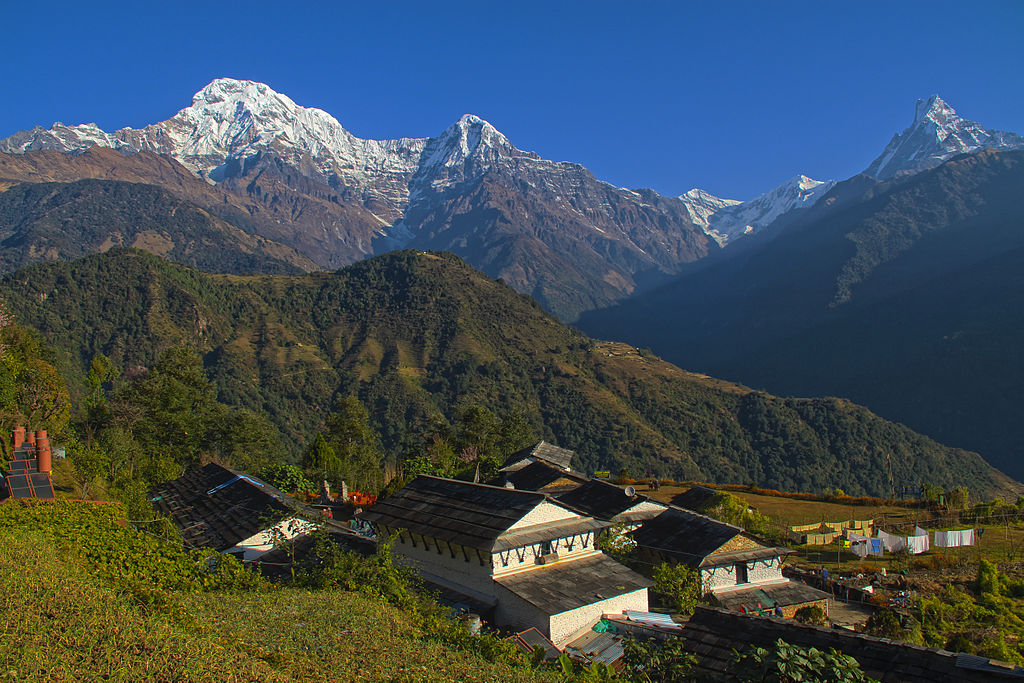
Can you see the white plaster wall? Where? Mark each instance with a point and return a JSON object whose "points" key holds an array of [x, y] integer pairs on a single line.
{"points": [[514, 612], [263, 542], [531, 552], [567, 624], [544, 512], [759, 571], [764, 571], [453, 570]]}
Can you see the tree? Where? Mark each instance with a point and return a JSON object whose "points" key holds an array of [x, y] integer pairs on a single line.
{"points": [[957, 498], [616, 542], [321, 460], [356, 444], [930, 493], [679, 585]]}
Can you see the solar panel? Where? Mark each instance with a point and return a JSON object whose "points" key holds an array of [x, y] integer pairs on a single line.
{"points": [[19, 486], [24, 453], [23, 466], [42, 486]]}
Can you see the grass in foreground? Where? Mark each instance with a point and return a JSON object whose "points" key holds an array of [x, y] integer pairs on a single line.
{"points": [[70, 613]]}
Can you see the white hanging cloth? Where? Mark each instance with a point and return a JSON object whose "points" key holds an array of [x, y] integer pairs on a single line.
{"points": [[892, 543], [954, 539]]}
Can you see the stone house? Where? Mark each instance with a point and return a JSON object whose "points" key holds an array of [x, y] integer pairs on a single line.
{"points": [[520, 557], [737, 570]]}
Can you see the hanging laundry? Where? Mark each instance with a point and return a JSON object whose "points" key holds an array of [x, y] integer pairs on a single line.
{"points": [[892, 543], [859, 544], [955, 538], [876, 547], [917, 544], [940, 539]]}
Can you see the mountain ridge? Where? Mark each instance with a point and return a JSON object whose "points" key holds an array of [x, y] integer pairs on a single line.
{"points": [[814, 309], [255, 142], [419, 336]]}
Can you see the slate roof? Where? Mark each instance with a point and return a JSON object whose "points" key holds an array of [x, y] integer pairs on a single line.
{"points": [[767, 597], [713, 634], [538, 475], [694, 498], [216, 507], [542, 450], [561, 587], [602, 500], [684, 535], [472, 515]]}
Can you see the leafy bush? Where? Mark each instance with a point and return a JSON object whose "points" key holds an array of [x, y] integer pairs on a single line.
{"points": [[679, 585], [783, 663], [665, 661], [811, 614]]}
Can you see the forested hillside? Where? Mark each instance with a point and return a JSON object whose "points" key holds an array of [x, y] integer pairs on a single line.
{"points": [[904, 296], [420, 338]]}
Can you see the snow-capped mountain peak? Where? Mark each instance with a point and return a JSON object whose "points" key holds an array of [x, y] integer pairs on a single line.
{"points": [[937, 134], [727, 219], [934, 109], [701, 205]]}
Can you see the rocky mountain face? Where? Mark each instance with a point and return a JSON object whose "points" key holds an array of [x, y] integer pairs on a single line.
{"points": [[50, 221], [580, 243], [905, 296], [938, 133]]}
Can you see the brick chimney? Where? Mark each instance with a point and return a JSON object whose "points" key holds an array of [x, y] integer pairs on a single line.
{"points": [[43, 454], [18, 437], [31, 437]]}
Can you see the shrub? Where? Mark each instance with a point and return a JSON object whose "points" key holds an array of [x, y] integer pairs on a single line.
{"points": [[784, 662], [811, 614], [679, 585]]}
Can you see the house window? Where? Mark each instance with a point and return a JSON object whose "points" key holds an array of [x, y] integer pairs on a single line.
{"points": [[741, 572]]}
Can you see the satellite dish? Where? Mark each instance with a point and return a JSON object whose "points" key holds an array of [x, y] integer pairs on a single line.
{"points": [[630, 491]]}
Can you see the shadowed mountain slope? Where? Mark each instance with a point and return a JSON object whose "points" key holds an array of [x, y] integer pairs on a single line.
{"points": [[417, 336]]}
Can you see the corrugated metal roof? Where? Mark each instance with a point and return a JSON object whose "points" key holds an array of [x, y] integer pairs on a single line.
{"points": [[651, 618]]}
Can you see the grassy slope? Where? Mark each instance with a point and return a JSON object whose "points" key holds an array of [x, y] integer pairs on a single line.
{"points": [[61, 621], [418, 336]]}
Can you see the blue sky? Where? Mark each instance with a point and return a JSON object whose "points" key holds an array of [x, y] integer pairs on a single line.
{"points": [[733, 97]]}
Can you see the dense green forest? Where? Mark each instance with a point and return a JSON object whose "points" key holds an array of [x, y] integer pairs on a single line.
{"points": [[421, 338]]}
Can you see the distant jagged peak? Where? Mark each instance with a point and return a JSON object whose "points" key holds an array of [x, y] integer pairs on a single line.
{"points": [[736, 219], [471, 131], [705, 197], [223, 89], [937, 133], [934, 109]]}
